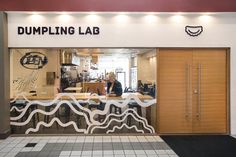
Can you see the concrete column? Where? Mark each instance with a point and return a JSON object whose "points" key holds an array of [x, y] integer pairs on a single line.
{"points": [[4, 78]]}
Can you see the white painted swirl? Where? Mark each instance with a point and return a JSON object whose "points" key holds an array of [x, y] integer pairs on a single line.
{"points": [[124, 125], [122, 105], [16, 108], [122, 120], [50, 103], [145, 124], [55, 119], [51, 113]]}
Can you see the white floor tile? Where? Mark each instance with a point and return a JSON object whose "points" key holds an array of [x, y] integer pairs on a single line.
{"points": [[65, 153], [61, 141], [3, 144], [11, 145], [108, 152], [161, 152], [151, 139], [97, 152], [89, 139], [56, 137], [80, 139], [20, 145], [133, 139], [118, 152], [124, 138], [161, 155], [106, 137], [2, 154], [141, 139], [129, 152], [76, 153], [36, 149], [108, 155], [130, 155], [71, 141], [40, 144], [119, 155], [11, 154], [72, 137], [170, 152], [150, 152], [52, 141], [16, 141], [6, 149], [115, 139], [87, 153], [16, 149], [43, 141], [158, 138], [140, 152], [26, 149], [141, 155], [35, 141], [106, 140]]}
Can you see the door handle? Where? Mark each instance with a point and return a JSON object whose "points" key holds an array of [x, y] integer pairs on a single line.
{"points": [[187, 96], [198, 115]]}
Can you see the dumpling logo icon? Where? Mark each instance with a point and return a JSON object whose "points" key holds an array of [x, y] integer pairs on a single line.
{"points": [[193, 30], [34, 60]]}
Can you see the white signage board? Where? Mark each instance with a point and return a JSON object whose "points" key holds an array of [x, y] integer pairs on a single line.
{"points": [[112, 30]]}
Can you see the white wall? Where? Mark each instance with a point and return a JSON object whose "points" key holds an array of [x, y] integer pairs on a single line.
{"points": [[135, 30]]}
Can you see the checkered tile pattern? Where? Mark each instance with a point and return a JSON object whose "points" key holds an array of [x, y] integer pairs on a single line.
{"points": [[86, 146]]}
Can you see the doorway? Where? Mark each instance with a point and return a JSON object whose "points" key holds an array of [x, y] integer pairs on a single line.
{"points": [[193, 91]]}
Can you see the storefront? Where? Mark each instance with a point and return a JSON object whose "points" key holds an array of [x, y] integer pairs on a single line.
{"points": [[192, 77]]}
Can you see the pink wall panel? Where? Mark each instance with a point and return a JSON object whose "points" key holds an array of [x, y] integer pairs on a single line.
{"points": [[120, 5]]}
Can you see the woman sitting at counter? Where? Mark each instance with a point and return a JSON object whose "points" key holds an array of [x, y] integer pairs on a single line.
{"points": [[114, 87]]}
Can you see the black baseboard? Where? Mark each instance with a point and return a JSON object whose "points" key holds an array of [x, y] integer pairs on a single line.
{"points": [[5, 135]]}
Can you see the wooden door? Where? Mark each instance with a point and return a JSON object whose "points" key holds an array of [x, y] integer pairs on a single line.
{"points": [[209, 95], [174, 98]]}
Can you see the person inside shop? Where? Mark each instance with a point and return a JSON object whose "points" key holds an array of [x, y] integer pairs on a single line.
{"points": [[114, 87]]}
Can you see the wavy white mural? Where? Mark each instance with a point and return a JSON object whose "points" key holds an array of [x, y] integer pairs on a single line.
{"points": [[116, 121]]}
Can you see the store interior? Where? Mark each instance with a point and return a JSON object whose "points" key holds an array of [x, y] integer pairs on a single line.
{"points": [[49, 71]]}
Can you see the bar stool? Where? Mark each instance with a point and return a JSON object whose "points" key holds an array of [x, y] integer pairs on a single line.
{"points": [[139, 111], [117, 110], [20, 104]]}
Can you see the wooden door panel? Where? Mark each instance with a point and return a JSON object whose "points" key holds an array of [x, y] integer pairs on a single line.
{"points": [[172, 99], [213, 90]]}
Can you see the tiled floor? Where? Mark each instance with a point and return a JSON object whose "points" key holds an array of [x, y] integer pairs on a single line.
{"points": [[86, 146]]}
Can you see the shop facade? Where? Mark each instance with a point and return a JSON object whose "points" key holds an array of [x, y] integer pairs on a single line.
{"points": [[188, 31]]}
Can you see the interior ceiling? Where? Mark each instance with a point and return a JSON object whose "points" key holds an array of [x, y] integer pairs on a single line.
{"points": [[96, 51], [110, 51]]}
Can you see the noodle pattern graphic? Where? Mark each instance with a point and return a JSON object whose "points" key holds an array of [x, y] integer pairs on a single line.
{"points": [[89, 116]]}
